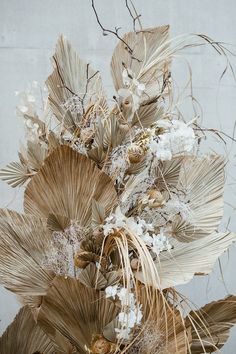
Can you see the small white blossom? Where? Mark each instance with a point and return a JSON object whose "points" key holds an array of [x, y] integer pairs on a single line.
{"points": [[111, 291], [160, 243], [23, 109]]}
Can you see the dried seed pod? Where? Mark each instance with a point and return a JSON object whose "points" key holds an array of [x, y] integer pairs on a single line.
{"points": [[135, 154], [157, 198], [81, 259], [135, 264], [101, 346]]}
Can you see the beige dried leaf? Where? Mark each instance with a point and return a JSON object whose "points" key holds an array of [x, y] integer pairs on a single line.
{"points": [[178, 266], [24, 336], [66, 185], [98, 214], [147, 60], [167, 173], [201, 181], [78, 312], [23, 243], [212, 325], [72, 78], [15, 174], [92, 277], [147, 114]]}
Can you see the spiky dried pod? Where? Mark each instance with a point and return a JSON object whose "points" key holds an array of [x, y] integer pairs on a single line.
{"points": [[101, 346], [135, 154]]}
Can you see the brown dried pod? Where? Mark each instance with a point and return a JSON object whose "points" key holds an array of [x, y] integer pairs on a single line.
{"points": [[135, 154], [135, 264], [157, 198], [81, 259], [101, 346]]}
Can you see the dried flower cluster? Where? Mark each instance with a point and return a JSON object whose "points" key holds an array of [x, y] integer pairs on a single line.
{"points": [[120, 207]]}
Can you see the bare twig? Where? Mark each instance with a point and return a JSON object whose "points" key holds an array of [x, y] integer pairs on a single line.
{"points": [[61, 78], [106, 31], [135, 17], [219, 133]]}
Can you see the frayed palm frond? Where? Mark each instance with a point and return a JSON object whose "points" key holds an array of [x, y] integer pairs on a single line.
{"points": [[217, 317], [23, 244], [24, 336], [144, 46], [201, 183], [78, 312], [179, 265], [66, 186], [15, 174], [73, 86]]}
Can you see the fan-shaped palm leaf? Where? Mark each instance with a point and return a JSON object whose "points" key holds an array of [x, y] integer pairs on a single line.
{"points": [[147, 46], [23, 243], [76, 311], [201, 183], [72, 79], [212, 325], [24, 336], [15, 174], [66, 185], [179, 265]]}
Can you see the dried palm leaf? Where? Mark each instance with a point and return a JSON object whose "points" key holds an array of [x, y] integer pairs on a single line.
{"points": [[211, 325], [167, 173], [147, 46], [72, 80], [179, 265], [15, 174], [98, 155], [58, 222], [66, 185], [98, 214], [78, 312], [108, 133], [202, 182], [35, 155], [92, 277], [23, 243], [24, 336], [147, 114], [164, 330]]}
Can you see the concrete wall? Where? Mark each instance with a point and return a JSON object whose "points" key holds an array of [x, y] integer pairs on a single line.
{"points": [[28, 32]]}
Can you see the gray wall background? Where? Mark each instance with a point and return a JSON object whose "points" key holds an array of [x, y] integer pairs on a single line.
{"points": [[28, 33]]}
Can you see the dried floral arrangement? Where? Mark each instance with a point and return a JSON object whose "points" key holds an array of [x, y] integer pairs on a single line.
{"points": [[120, 207]]}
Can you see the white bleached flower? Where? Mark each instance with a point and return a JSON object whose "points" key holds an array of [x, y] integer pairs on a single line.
{"points": [[179, 138], [111, 291], [160, 243]]}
